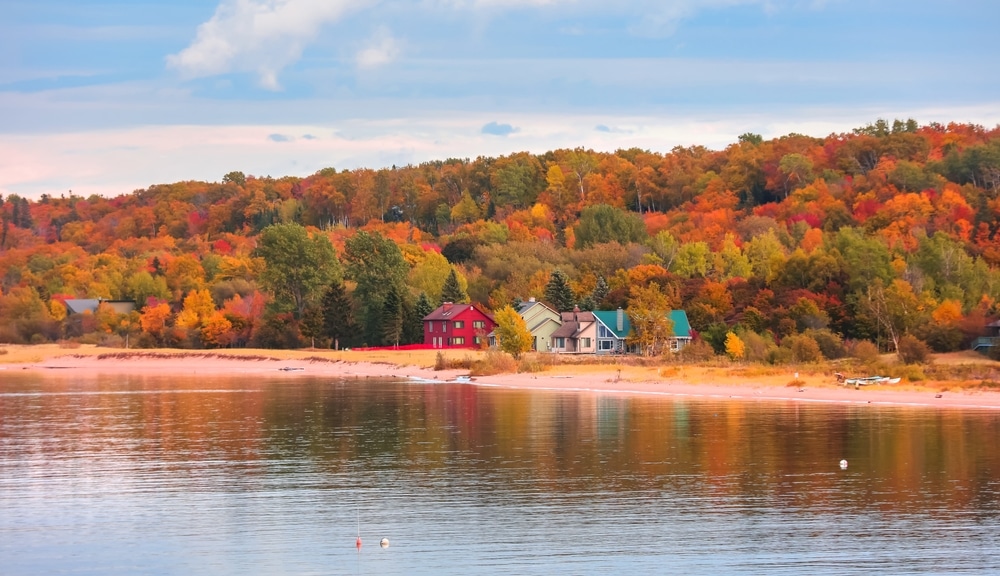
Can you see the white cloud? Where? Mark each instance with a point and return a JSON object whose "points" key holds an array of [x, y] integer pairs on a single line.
{"points": [[382, 49], [260, 36]]}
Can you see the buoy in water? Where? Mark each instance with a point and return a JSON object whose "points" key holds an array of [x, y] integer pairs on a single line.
{"points": [[358, 543], [384, 542], [843, 464]]}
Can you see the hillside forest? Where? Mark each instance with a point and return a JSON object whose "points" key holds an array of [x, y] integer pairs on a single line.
{"points": [[790, 249]]}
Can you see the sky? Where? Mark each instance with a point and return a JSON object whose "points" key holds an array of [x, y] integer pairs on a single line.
{"points": [[106, 97]]}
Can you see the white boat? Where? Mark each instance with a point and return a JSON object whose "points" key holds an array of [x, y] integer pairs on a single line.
{"points": [[869, 380]]}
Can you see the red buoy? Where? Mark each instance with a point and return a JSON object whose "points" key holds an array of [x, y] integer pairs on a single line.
{"points": [[358, 543]]}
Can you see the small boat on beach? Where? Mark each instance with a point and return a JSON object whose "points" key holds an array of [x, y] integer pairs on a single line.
{"points": [[866, 381]]}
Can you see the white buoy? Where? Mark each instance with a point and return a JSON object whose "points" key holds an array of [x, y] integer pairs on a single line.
{"points": [[843, 464], [384, 543]]}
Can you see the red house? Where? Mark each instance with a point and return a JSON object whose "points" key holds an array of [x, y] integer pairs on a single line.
{"points": [[457, 326]]}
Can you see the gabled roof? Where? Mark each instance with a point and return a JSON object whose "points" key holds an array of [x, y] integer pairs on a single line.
{"points": [[610, 319], [573, 323], [682, 328], [449, 311], [81, 305]]}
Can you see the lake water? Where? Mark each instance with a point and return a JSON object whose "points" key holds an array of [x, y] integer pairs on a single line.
{"points": [[132, 475]]}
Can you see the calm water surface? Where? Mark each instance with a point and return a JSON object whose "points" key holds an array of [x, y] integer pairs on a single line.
{"points": [[132, 475]]}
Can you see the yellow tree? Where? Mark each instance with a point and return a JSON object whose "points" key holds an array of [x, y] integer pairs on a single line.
{"points": [[198, 307], [648, 311], [512, 333], [735, 347]]}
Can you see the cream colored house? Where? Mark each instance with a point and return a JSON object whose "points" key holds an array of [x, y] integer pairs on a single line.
{"points": [[542, 322], [577, 335]]}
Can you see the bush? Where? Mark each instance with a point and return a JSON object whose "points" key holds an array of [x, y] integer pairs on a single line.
{"points": [[912, 350], [757, 347], [494, 362], [804, 348], [830, 344], [865, 351], [530, 363], [439, 362], [779, 355], [697, 351]]}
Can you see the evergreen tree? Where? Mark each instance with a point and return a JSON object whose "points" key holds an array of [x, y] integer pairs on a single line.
{"points": [[392, 318], [338, 322], [558, 292], [452, 290], [601, 291], [377, 265], [415, 320]]}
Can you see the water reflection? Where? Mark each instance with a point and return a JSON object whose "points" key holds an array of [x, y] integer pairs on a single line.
{"points": [[124, 474]]}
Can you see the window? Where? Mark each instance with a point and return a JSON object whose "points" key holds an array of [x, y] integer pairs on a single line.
{"points": [[603, 332], [558, 342], [430, 327], [477, 340], [584, 342], [606, 344], [457, 341], [478, 324], [459, 324], [444, 326]]}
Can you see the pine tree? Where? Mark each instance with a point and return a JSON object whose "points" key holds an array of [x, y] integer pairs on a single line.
{"points": [[415, 322], [452, 290], [558, 292], [338, 323], [392, 318], [601, 291]]}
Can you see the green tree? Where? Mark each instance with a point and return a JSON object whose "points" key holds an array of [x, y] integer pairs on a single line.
{"points": [[297, 267], [376, 264], [512, 333], [392, 317], [558, 292], [452, 290], [600, 224], [338, 321], [420, 309]]}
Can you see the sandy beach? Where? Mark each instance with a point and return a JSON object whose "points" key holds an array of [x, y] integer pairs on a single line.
{"points": [[689, 382]]}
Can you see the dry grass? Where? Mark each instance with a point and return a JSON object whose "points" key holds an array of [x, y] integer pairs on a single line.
{"points": [[955, 371], [24, 354]]}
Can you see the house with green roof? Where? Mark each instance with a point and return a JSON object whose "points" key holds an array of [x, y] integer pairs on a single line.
{"points": [[613, 329]]}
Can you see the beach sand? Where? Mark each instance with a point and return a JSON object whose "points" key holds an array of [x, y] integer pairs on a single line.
{"points": [[689, 382]]}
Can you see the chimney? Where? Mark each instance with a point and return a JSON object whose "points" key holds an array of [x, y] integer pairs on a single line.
{"points": [[532, 299], [446, 306], [620, 324]]}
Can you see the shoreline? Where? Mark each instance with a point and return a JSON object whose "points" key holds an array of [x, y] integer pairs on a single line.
{"points": [[570, 378]]}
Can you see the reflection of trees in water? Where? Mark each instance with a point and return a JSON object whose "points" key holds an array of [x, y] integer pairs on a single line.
{"points": [[773, 453]]}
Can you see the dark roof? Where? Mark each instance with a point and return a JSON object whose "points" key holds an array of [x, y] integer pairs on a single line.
{"points": [[81, 305], [448, 311], [572, 323]]}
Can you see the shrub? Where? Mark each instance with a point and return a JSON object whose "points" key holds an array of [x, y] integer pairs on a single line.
{"points": [[757, 346], [804, 348], [830, 344], [439, 362], [697, 351], [912, 350], [779, 355], [493, 362], [865, 351]]}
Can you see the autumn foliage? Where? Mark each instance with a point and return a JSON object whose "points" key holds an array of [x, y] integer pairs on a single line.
{"points": [[886, 232]]}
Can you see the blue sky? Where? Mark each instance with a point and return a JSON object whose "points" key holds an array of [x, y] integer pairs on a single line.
{"points": [[109, 96]]}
